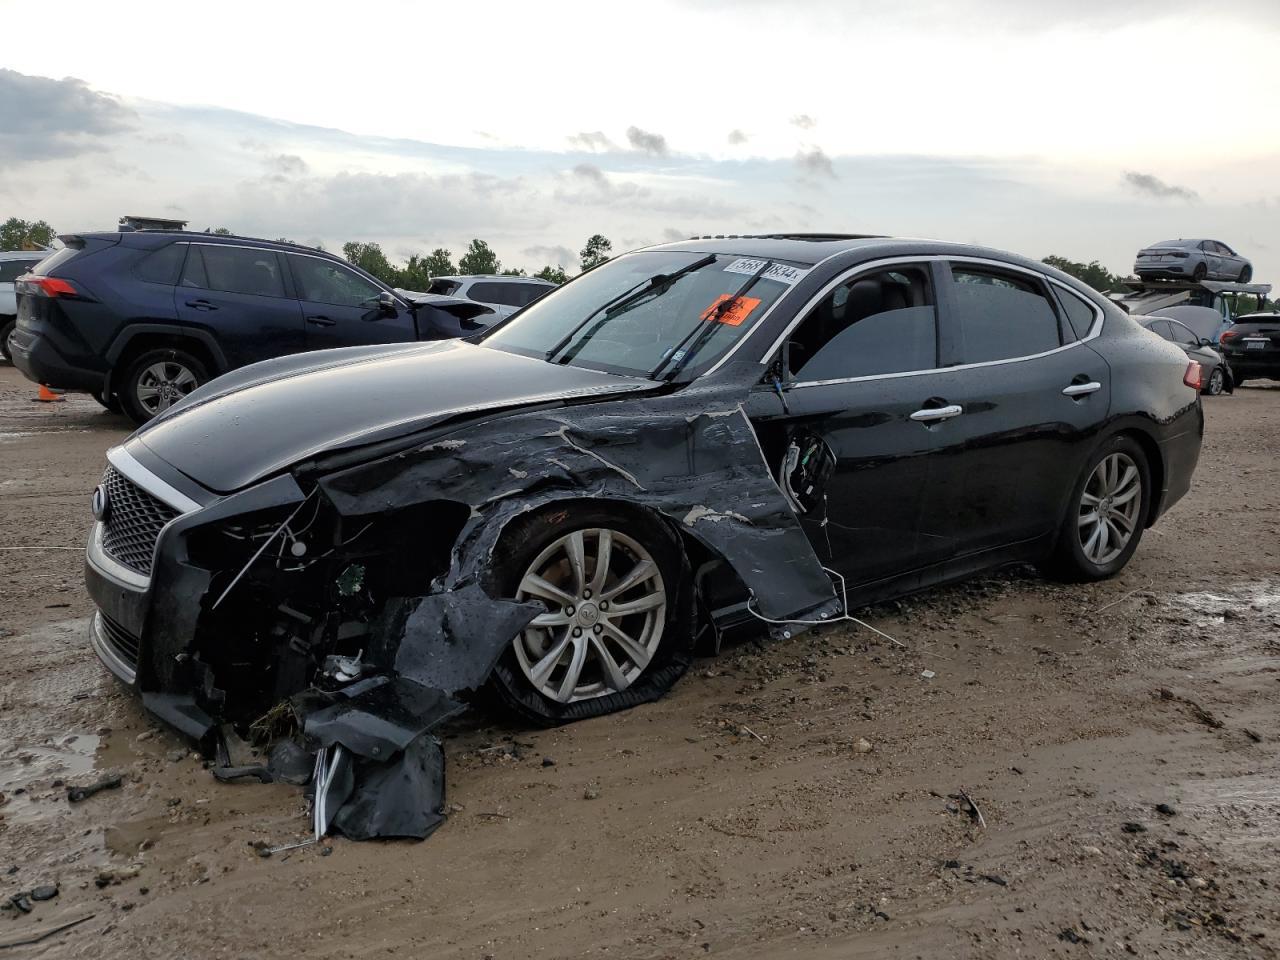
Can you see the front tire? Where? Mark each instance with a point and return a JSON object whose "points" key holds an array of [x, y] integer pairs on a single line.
{"points": [[1108, 509], [1200, 272], [6, 327], [1246, 274], [619, 625], [157, 379]]}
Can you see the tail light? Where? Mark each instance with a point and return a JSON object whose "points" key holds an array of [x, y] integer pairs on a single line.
{"points": [[1192, 377], [1180, 255], [1228, 335], [47, 286]]}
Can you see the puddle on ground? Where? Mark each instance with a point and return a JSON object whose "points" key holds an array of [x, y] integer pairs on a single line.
{"points": [[1245, 600], [27, 777]]}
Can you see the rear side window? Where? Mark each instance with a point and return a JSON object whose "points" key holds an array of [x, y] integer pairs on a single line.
{"points": [[1002, 316], [11, 270], [234, 270], [1161, 329], [531, 292], [877, 324], [57, 259], [162, 266], [503, 293], [1079, 313], [323, 281]]}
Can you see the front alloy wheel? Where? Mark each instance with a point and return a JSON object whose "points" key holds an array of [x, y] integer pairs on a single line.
{"points": [[163, 384], [1110, 508], [608, 605]]}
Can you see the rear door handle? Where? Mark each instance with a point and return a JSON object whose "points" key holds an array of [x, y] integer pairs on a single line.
{"points": [[937, 414], [1081, 389], [321, 321], [201, 305]]}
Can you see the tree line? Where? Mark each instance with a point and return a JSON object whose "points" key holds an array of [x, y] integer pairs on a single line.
{"points": [[417, 272]]}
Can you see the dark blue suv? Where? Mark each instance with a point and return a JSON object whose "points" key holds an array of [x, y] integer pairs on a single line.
{"points": [[140, 319]]}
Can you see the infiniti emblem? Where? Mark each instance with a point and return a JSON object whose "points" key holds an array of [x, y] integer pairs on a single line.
{"points": [[100, 503]]}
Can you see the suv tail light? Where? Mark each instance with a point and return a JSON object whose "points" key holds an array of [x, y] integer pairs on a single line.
{"points": [[1192, 377], [47, 286], [1228, 335]]}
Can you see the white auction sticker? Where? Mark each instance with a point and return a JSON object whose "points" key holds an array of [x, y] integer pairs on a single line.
{"points": [[777, 271]]}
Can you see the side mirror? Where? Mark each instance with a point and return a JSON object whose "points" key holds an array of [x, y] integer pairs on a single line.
{"points": [[1206, 342], [387, 303]]}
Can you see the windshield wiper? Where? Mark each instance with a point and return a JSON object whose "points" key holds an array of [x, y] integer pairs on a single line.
{"points": [[680, 357], [615, 306]]}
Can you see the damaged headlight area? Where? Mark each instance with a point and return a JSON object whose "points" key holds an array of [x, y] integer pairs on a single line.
{"points": [[296, 594]]}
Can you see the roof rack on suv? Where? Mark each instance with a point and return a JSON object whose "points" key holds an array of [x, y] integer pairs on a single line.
{"points": [[227, 236]]}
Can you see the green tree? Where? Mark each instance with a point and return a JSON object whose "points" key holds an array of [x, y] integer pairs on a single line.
{"points": [[554, 274], [416, 275], [439, 263], [1093, 273], [514, 272], [370, 258], [18, 234], [478, 259], [596, 251], [221, 231]]}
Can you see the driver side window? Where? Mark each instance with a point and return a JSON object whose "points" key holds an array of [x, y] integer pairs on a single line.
{"points": [[873, 324], [321, 281]]}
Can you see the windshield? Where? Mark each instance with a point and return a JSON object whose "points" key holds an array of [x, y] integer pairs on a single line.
{"points": [[650, 314]]}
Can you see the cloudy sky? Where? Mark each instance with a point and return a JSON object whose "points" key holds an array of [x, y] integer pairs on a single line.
{"points": [[1084, 128]]}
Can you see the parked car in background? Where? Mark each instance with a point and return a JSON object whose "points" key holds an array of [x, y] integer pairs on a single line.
{"points": [[13, 264], [1192, 259], [1205, 322], [1252, 346], [505, 295], [765, 431], [1215, 375], [140, 319]]}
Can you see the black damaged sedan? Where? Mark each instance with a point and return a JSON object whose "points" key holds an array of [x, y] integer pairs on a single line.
{"points": [[688, 439]]}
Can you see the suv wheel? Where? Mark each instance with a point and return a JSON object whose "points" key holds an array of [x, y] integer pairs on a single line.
{"points": [[618, 630], [157, 379], [1108, 508], [6, 327]]}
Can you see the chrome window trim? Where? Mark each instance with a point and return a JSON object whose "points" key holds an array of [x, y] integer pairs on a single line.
{"points": [[124, 461], [873, 265]]}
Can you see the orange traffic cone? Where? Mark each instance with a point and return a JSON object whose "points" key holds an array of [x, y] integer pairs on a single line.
{"points": [[48, 396]]}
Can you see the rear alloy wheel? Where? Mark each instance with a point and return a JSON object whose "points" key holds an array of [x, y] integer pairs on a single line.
{"points": [[1246, 274], [1217, 381], [614, 633], [157, 380], [1109, 505]]}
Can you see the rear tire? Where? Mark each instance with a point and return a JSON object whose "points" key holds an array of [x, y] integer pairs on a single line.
{"points": [[1200, 272], [6, 327], [1217, 382], [595, 673], [1103, 524], [157, 379], [1245, 275]]}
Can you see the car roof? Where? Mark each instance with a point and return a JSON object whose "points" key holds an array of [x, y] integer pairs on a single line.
{"points": [[494, 276], [1272, 317], [199, 236]]}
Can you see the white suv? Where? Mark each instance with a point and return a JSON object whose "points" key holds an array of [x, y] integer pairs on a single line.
{"points": [[13, 264], [505, 295]]}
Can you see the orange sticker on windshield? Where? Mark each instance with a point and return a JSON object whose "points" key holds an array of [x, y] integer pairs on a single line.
{"points": [[732, 315]]}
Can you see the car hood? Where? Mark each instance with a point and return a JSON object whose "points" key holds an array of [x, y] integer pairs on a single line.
{"points": [[263, 418]]}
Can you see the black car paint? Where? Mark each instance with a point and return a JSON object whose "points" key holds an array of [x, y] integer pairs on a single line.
{"points": [[917, 504], [1253, 362], [80, 343]]}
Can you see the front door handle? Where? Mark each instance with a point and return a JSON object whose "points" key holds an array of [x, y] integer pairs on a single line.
{"points": [[321, 321], [1081, 389], [201, 305], [937, 414]]}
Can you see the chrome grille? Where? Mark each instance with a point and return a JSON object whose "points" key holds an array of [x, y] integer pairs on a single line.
{"points": [[122, 643], [134, 521]]}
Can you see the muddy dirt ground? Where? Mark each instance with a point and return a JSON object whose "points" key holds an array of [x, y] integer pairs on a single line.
{"points": [[788, 800]]}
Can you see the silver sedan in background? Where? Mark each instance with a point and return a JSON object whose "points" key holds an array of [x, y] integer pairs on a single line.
{"points": [[1192, 260]]}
